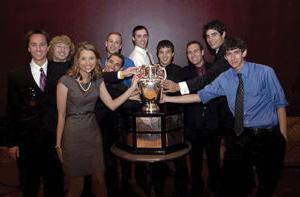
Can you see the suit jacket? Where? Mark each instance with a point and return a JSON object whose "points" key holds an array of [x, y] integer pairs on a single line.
{"points": [[32, 113], [199, 116], [219, 65]]}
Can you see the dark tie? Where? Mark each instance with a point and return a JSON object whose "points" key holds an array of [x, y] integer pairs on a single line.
{"points": [[43, 80], [239, 107], [149, 57]]}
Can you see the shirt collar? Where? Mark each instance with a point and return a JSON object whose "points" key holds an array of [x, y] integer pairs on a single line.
{"points": [[35, 66], [141, 49]]}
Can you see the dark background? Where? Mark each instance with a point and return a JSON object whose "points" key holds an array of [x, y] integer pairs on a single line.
{"points": [[270, 27]]}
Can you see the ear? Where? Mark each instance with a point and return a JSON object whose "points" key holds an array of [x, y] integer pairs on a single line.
{"points": [[173, 54], [105, 44], [202, 52], [244, 53], [224, 34]]}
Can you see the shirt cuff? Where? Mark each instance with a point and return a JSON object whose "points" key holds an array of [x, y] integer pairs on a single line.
{"points": [[183, 88], [120, 75]]}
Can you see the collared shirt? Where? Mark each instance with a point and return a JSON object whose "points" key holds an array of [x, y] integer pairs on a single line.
{"points": [[263, 94], [139, 56], [35, 70], [127, 63]]}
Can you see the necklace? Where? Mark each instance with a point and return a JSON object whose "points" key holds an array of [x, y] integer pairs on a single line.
{"points": [[82, 88]]}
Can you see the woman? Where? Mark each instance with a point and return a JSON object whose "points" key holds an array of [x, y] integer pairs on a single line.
{"points": [[78, 134]]}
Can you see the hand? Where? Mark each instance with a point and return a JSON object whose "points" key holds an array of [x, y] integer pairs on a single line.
{"points": [[14, 152], [170, 86], [59, 153], [135, 96], [134, 81], [130, 71]]}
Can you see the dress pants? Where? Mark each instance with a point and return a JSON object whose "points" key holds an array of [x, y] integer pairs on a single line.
{"points": [[208, 141], [39, 162], [260, 150]]}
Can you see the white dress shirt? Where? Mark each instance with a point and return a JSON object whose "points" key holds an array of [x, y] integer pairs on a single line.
{"points": [[139, 56], [35, 71]]}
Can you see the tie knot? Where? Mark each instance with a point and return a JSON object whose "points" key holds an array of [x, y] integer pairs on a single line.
{"points": [[41, 69]]}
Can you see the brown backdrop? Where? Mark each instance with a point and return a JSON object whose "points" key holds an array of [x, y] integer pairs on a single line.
{"points": [[270, 27]]}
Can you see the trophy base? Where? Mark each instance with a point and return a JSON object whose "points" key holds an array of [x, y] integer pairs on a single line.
{"points": [[153, 132]]}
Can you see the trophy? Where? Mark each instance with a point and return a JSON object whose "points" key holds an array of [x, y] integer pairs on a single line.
{"points": [[150, 86]]}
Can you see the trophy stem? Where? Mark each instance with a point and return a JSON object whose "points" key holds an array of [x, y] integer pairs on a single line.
{"points": [[150, 108]]}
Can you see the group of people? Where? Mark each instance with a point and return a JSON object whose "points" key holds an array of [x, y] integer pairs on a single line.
{"points": [[57, 102]]}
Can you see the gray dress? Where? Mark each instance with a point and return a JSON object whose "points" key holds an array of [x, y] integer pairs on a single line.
{"points": [[81, 140]]}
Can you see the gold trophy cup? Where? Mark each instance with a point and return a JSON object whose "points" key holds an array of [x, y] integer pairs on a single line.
{"points": [[150, 86]]}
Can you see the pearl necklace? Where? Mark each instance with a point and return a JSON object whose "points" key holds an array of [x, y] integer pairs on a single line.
{"points": [[82, 88]]}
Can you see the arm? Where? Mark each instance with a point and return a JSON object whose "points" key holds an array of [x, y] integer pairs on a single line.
{"points": [[13, 99], [191, 98], [113, 104], [62, 92], [281, 112], [219, 66]]}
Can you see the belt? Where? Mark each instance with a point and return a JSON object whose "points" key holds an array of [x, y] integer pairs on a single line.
{"points": [[80, 113], [257, 131]]}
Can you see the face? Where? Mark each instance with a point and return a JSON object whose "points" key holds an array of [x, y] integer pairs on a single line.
{"points": [[235, 58], [87, 61], [214, 38], [141, 38], [113, 44], [195, 54], [165, 56], [37, 47], [114, 63], [60, 52]]}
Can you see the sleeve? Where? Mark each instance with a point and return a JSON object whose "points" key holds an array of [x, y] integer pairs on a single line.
{"points": [[65, 79], [211, 91], [276, 89], [213, 72], [12, 112], [110, 77]]}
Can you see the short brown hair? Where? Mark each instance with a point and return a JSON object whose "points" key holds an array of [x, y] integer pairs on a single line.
{"points": [[36, 31]]}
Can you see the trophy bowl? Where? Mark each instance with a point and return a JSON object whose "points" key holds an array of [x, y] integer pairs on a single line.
{"points": [[150, 86]]}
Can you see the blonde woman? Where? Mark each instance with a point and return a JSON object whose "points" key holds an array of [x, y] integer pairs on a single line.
{"points": [[61, 49], [78, 135]]}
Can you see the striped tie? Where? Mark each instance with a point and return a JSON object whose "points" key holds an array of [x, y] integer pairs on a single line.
{"points": [[239, 107]]}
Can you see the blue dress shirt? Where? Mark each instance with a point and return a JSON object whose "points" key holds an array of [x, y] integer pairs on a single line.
{"points": [[127, 63], [263, 94]]}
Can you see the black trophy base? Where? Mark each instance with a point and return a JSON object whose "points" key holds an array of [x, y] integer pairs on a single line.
{"points": [[153, 133]]}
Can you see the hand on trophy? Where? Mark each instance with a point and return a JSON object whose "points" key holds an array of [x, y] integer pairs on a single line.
{"points": [[130, 71], [170, 86], [135, 96]]}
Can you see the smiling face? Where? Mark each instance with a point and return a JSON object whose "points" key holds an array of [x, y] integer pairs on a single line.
{"points": [[214, 38], [113, 44], [86, 62], [140, 38], [38, 47], [235, 58], [165, 56], [114, 63], [61, 52], [195, 54]]}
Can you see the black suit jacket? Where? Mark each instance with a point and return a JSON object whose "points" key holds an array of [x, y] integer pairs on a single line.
{"points": [[219, 65], [32, 113]]}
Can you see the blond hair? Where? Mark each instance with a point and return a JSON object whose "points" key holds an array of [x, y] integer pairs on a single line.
{"points": [[61, 39]]}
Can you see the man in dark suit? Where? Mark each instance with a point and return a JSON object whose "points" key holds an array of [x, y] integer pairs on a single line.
{"points": [[31, 114]]}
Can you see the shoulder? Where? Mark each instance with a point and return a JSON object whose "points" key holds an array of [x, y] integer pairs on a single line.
{"points": [[128, 62], [255, 67], [66, 80]]}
